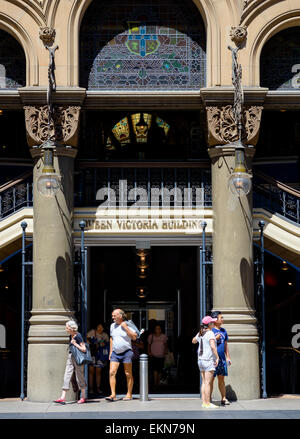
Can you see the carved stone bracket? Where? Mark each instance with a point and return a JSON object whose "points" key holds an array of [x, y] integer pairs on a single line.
{"points": [[222, 128], [63, 129], [47, 35], [238, 35]]}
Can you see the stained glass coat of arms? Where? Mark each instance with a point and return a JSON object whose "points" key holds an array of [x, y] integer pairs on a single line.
{"points": [[156, 44]]}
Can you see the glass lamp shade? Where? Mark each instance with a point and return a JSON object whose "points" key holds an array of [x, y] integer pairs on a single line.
{"points": [[240, 183], [142, 273], [48, 184], [141, 292]]}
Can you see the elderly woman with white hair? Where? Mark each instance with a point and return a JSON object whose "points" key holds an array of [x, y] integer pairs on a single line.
{"points": [[71, 366]]}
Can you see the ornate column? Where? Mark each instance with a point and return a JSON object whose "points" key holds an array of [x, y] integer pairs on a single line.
{"points": [[229, 127], [53, 252], [233, 280]]}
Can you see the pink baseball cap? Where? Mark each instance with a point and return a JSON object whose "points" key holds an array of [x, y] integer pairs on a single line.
{"points": [[207, 320]]}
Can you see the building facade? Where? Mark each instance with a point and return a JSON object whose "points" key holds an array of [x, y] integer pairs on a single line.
{"points": [[145, 139]]}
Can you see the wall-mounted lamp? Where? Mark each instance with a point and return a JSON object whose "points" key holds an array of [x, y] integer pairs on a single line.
{"points": [[48, 183], [240, 180]]}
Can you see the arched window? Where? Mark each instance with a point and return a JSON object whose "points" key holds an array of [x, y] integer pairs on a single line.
{"points": [[134, 44], [12, 62], [280, 61]]}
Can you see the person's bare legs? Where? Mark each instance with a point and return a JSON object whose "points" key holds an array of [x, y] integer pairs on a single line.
{"points": [[203, 386], [129, 378], [222, 388], [64, 392], [208, 377], [98, 378], [113, 369]]}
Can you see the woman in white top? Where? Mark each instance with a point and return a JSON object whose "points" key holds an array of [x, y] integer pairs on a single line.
{"points": [[207, 358]]}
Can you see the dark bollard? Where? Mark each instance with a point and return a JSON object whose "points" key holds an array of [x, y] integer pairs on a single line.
{"points": [[144, 378]]}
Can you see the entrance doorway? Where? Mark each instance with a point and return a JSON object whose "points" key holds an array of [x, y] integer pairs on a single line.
{"points": [[171, 300]]}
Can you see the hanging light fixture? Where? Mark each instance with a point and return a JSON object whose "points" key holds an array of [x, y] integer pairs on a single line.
{"points": [[284, 266], [1, 269], [142, 292], [142, 124], [142, 264], [240, 180], [48, 183], [141, 129]]}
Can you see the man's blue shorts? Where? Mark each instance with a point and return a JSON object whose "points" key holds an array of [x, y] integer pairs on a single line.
{"points": [[123, 357], [221, 368]]}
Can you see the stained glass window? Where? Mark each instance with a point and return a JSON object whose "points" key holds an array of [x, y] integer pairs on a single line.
{"points": [[280, 61], [141, 125], [12, 62], [134, 44]]}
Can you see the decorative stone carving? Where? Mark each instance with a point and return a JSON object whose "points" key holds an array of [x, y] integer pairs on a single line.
{"points": [[252, 116], [223, 130], [238, 35], [63, 129], [47, 35]]}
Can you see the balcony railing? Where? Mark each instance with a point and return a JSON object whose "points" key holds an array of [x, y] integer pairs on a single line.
{"points": [[172, 184], [144, 184], [16, 194], [276, 197]]}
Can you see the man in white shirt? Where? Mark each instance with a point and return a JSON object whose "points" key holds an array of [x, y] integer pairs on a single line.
{"points": [[120, 352]]}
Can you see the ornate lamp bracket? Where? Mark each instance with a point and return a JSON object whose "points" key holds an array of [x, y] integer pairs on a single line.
{"points": [[238, 36]]}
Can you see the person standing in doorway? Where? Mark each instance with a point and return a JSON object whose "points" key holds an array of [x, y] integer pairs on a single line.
{"points": [[224, 358], [99, 341], [207, 359], [157, 349], [120, 352]]}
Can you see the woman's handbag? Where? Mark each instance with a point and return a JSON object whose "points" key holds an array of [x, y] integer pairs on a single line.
{"points": [[81, 357]]}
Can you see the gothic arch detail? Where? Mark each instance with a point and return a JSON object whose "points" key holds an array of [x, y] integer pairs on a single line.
{"points": [[206, 10], [14, 28], [153, 44]]}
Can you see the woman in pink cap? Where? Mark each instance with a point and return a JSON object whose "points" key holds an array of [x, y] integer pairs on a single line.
{"points": [[207, 358]]}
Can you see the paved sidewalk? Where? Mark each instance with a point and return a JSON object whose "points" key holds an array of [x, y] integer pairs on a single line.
{"points": [[158, 407]]}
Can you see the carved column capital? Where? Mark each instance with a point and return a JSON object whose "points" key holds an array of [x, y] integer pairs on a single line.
{"points": [[63, 129], [222, 128]]}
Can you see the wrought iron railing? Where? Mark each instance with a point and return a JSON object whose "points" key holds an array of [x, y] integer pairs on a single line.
{"points": [[194, 178], [276, 197], [123, 184], [16, 194]]}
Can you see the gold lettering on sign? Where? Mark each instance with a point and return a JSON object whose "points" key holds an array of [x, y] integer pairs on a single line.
{"points": [[142, 225]]}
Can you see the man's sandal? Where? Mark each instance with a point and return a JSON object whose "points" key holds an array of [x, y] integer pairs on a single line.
{"points": [[110, 399]]}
